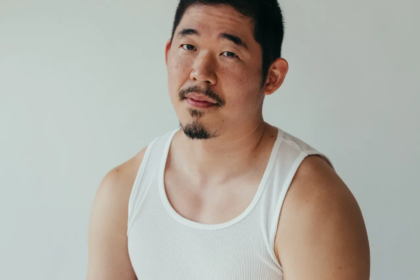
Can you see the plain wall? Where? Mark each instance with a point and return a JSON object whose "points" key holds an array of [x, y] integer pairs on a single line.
{"points": [[83, 88]]}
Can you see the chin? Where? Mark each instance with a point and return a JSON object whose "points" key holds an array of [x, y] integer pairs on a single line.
{"points": [[195, 130]]}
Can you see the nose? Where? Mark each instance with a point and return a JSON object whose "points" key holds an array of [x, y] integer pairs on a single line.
{"points": [[203, 70]]}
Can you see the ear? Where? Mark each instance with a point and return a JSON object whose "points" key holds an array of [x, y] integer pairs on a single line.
{"points": [[276, 75], [167, 48]]}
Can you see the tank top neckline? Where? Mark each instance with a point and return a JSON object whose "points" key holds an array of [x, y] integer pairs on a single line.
{"points": [[177, 217]]}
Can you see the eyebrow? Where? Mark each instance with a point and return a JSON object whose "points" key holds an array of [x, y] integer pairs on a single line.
{"points": [[233, 38]]}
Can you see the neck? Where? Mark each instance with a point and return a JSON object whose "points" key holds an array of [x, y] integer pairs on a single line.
{"points": [[219, 159]]}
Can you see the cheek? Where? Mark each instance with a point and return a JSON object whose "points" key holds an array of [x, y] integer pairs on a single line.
{"points": [[178, 73], [241, 74], [243, 84], [178, 67]]}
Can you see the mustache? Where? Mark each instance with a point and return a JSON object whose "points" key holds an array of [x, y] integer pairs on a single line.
{"points": [[207, 92]]}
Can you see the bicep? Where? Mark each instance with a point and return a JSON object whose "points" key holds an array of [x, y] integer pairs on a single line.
{"points": [[108, 253], [323, 232]]}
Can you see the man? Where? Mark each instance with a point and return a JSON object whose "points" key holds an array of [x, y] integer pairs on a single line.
{"points": [[227, 196]]}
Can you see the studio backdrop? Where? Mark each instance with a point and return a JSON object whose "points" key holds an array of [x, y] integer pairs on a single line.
{"points": [[83, 88]]}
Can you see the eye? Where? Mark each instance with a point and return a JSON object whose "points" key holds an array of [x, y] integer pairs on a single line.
{"points": [[231, 55], [189, 47]]}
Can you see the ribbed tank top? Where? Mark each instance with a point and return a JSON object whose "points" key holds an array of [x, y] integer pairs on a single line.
{"points": [[162, 244]]}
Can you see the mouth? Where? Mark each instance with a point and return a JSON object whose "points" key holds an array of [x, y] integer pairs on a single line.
{"points": [[200, 103]]}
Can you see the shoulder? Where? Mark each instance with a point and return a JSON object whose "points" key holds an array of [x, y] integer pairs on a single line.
{"points": [[108, 256], [118, 182], [321, 227], [110, 205]]}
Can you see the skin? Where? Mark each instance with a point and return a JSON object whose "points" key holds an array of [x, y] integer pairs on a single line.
{"points": [[321, 232], [242, 136]]}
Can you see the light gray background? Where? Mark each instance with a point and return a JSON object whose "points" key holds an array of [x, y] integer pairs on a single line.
{"points": [[83, 88]]}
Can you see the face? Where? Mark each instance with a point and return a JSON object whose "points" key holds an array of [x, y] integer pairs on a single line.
{"points": [[214, 71]]}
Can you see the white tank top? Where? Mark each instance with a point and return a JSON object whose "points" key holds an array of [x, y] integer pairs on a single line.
{"points": [[163, 245]]}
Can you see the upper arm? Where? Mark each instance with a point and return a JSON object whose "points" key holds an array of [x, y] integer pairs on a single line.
{"points": [[108, 250], [322, 235]]}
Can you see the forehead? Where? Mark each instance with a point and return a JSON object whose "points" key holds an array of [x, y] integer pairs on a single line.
{"points": [[216, 19]]}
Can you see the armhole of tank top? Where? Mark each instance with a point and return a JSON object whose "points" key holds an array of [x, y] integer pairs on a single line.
{"points": [[315, 152], [135, 189], [284, 190], [275, 222]]}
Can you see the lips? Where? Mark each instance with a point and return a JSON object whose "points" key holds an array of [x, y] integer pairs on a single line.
{"points": [[200, 101], [200, 104], [201, 98]]}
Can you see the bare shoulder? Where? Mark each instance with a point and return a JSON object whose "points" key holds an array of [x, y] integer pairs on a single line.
{"points": [[108, 253], [321, 232], [121, 178]]}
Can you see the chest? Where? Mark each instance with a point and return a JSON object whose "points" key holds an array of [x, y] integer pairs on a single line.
{"points": [[215, 206], [161, 246], [209, 205]]}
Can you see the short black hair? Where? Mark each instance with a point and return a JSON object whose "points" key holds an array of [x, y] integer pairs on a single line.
{"points": [[268, 24]]}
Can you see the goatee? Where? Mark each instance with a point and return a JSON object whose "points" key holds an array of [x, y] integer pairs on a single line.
{"points": [[196, 130]]}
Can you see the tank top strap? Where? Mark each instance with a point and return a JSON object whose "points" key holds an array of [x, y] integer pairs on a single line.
{"points": [[291, 153], [146, 172]]}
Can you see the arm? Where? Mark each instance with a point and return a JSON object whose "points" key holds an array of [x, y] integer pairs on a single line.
{"points": [[322, 235], [108, 253]]}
